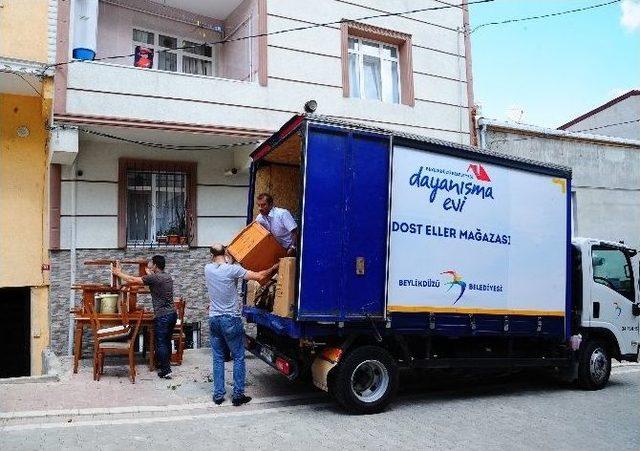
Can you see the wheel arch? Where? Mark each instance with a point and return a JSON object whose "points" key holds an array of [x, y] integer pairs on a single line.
{"points": [[607, 336]]}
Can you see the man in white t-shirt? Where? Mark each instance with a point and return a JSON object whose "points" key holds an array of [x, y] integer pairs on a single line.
{"points": [[279, 222]]}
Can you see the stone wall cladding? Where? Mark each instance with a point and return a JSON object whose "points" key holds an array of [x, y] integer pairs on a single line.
{"points": [[185, 266]]}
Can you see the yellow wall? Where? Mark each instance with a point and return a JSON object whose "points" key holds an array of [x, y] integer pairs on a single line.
{"points": [[23, 29], [23, 176], [39, 326], [24, 238]]}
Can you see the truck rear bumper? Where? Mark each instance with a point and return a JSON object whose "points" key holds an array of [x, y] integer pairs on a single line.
{"points": [[284, 364]]}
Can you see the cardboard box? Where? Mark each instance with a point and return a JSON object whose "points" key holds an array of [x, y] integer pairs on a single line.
{"points": [[255, 248], [252, 289], [283, 303]]}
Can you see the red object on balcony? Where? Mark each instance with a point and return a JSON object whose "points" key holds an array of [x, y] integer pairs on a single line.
{"points": [[143, 57]]}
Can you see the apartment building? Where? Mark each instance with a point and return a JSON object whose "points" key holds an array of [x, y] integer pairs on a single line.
{"points": [[158, 104]]}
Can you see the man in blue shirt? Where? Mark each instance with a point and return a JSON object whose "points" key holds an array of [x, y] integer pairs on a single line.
{"points": [[225, 321]]}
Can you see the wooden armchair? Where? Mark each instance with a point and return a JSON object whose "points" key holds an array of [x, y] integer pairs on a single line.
{"points": [[119, 343], [178, 336]]}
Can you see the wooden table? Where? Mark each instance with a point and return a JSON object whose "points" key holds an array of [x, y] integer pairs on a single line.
{"points": [[82, 320]]}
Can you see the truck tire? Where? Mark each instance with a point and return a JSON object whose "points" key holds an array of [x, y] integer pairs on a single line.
{"points": [[594, 365], [365, 381]]}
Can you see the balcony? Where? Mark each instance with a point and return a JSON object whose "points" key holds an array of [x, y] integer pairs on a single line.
{"points": [[172, 35], [157, 61]]}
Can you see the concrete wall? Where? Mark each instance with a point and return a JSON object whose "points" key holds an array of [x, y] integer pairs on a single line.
{"points": [[24, 30], [239, 59], [24, 218], [606, 180], [116, 24], [23, 176], [221, 207], [301, 65], [623, 111]]}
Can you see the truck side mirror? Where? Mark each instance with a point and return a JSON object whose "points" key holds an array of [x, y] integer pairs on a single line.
{"points": [[635, 309]]}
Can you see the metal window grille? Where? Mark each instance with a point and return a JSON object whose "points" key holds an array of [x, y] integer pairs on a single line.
{"points": [[157, 212]]}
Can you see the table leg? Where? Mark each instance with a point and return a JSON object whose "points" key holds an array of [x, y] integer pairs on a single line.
{"points": [[77, 344], [152, 349]]}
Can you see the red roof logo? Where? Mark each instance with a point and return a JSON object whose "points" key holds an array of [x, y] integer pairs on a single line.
{"points": [[479, 172]]}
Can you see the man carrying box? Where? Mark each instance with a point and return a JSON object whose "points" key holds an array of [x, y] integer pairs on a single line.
{"points": [[225, 322], [279, 222]]}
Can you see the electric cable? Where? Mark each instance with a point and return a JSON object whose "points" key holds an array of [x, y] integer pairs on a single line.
{"points": [[285, 30], [544, 16]]}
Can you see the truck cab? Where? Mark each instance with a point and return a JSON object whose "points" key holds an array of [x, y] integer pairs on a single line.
{"points": [[607, 296]]}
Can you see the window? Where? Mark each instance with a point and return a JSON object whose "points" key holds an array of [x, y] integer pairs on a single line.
{"points": [[373, 71], [156, 203], [377, 64], [612, 268], [159, 51]]}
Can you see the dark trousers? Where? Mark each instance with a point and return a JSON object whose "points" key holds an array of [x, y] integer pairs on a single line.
{"points": [[163, 329]]}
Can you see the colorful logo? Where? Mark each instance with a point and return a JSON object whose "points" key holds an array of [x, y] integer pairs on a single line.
{"points": [[617, 308], [457, 280], [479, 172]]}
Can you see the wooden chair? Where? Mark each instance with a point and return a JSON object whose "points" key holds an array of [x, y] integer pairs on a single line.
{"points": [[178, 336], [115, 344]]}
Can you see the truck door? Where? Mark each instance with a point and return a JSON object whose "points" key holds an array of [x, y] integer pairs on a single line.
{"points": [[613, 294], [344, 225]]}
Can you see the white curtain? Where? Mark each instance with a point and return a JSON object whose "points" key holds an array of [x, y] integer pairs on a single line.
{"points": [[354, 76], [372, 79]]}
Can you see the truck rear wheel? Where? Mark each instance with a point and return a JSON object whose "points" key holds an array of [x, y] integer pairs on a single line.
{"points": [[594, 365], [365, 381]]}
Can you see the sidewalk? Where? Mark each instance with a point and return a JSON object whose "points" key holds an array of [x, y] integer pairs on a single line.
{"points": [[190, 384]]}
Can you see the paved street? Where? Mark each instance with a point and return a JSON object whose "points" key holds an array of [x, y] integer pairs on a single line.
{"points": [[523, 411]]}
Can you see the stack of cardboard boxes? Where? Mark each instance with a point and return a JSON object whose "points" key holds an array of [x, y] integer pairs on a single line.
{"points": [[256, 249]]}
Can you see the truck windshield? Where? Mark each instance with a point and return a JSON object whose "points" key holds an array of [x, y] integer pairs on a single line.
{"points": [[612, 268]]}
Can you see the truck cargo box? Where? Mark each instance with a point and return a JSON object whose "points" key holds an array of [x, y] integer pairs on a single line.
{"points": [[416, 233]]}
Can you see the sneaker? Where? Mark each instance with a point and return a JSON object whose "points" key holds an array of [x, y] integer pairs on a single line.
{"points": [[166, 374], [241, 400], [218, 401]]}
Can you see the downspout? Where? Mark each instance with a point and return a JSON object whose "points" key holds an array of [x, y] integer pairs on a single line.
{"points": [[72, 258], [482, 127], [469, 73]]}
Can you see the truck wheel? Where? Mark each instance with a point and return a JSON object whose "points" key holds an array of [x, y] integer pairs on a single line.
{"points": [[594, 365], [365, 381]]}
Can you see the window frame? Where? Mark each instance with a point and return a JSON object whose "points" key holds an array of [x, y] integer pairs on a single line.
{"points": [[401, 41], [632, 293], [386, 81], [130, 164], [180, 53]]}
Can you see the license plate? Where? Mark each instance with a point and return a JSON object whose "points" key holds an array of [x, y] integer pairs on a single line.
{"points": [[267, 354]]}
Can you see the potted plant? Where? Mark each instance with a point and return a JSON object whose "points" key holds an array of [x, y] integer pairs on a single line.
{"points": [[181, 225], [173, 235]]}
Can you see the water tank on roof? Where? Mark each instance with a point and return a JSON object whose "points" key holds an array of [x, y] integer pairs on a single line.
{"points": [[85, 29]]}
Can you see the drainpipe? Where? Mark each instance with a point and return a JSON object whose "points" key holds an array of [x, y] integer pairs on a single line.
{"points": [[468, 71], [72, 257], [483, 134]]}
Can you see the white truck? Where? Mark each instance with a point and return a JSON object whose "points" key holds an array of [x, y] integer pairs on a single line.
{"points": [[420, 253]]}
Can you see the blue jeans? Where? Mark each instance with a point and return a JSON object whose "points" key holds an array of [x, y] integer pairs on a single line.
{"points": [[227, 331], [163, 329]]}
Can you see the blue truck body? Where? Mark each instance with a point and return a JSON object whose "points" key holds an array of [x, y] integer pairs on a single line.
{"points": [[344, 205]]}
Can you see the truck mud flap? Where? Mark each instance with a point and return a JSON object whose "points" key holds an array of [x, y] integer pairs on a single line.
{"points": [[284, 364]]}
